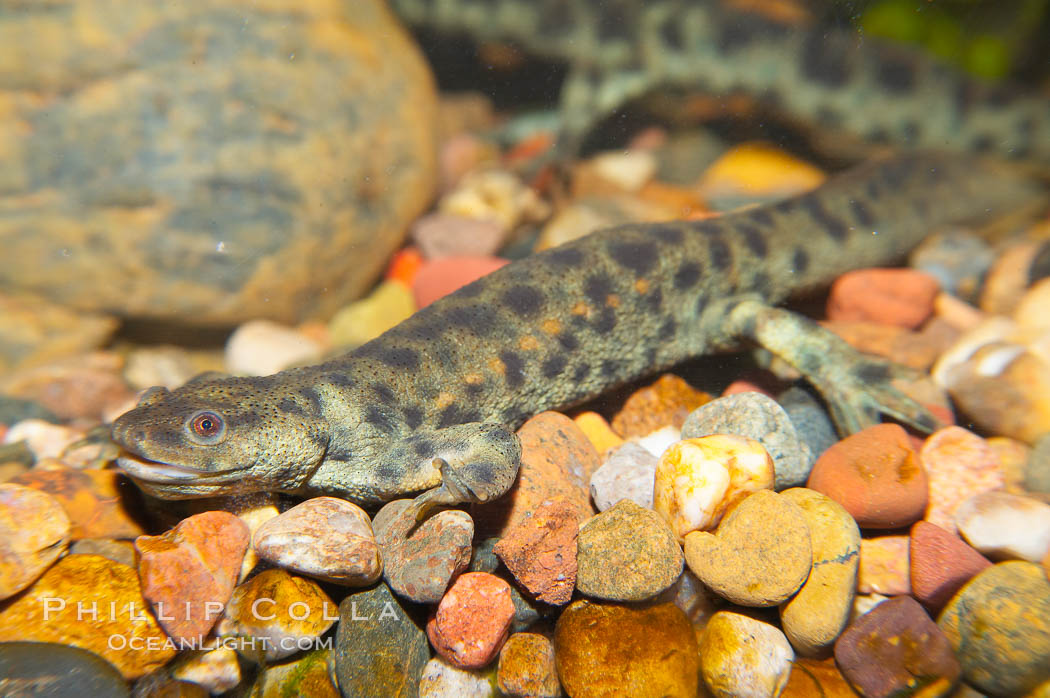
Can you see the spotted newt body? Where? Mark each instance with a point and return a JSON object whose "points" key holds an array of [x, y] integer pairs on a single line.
{"points": [[430, 406]]}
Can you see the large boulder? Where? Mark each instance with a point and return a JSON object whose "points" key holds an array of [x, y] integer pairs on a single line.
{"points": [[208, 161]]}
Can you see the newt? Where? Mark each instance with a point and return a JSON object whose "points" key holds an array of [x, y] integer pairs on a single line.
{"points": [[429, 408]]}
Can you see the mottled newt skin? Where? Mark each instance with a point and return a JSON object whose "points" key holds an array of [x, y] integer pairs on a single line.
{"points": [[446, 387], [825, 77]]}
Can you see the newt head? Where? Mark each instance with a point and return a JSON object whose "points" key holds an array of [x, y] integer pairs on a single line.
{"points": [[220, 437]]}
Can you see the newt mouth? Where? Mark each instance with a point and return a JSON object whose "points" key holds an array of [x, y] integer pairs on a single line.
{"points": [[147, 470]]}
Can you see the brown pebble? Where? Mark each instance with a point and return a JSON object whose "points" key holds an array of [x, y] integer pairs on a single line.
{"points": [[941, 563], [541, 552]]}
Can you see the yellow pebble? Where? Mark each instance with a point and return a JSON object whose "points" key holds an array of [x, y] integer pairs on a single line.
{"points": [[364, 320], [598, 431]]}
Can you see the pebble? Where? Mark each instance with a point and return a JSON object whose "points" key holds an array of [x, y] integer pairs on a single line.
{"points": [[404, 265], [760, 555], [999, 627], [958, 259], [557, 460], [603, 649], [660, 440], [757, 171], [741, 657], [1037, 468], [377, 631], [895, 649], [816, 615], [665, 402], [34, 531], [73, 604], [189, 573], [812, 422], [628, 472], [80, 386], [441, 235], [1013, 457], [1009, 277], [902, 297], [365, 319], [326, 538], [165, 365], [217, 670], [624, 171], [876, 475], [602, 437], [34, 331], [811, 678], [122, 551], [527, 668], [282, 612], [443, 680], [1031, 309], [440, 277], [1005, 526], [43, 439], [304, 675], [940, 564], [627, 553], [420, 560], [461, 153], [959, 464], [884, 566], [757, 417], [472, 621], [582, 217], [31, 669], [99, 503], [494, 195], [264, 347], [541, 552], [698, 480]]}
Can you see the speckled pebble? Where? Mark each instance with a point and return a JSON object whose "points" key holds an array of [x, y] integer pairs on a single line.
{"points": [[365, 319], [628, 472], [760, 555], [741, 657], [884, 566], [757, 417], [605, 649], [876, 475], [34, 531], [189, 573], [281, 611], [815, 616], [959, 464], [698, 480], [263, 347], [527, 668], [472, 620], [443, 680], [541, 552], [901, 297], [627, 553], [667, 401], [217, 670], [940, 563], [896, 649], [1005, 526], [999, 627], [812, 422], [324, 537]]}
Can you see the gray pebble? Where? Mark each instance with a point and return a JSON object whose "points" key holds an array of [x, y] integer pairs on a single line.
{"points": [[812, 422], [627, 473]]}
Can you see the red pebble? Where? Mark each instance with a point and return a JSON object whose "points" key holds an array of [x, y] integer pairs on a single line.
{"points": [[472, 621], [940, 564], [902, 297], [404, 265], [875, 475], [440, 277]]}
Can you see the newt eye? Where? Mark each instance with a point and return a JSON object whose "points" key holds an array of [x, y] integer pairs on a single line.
{"points": [[206, 427]]}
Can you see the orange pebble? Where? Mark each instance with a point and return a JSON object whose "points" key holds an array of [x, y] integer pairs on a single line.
{"points": [[598, 431], [404, 265]]}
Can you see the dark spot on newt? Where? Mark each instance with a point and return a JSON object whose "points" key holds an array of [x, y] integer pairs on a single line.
{"points": [[383, 393], [567, 340], [686, 276], [871, 372], [413, 416], [581, 372], [719, 252], [523, 300], [668, 234], [762, 216], [610, 368], [597, 288], [401, 358], [423, 448], [896, 74], [800, 261], [553, 366], [380, 419], [639, 257], [653, 300], [862, 213], [754, 239], [289, 406], [826, 58], [605, 322], [455, 414], [478, 318], [515, 369], [565, 256], [835, 228], [667, 330], [340, 380], [316, 406]]}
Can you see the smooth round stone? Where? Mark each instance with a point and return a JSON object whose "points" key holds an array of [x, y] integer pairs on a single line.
{"points": [[876, 476], [1037, 471], [959, 464], [940, 563], [757, 417], [217, 670], [760, 555], [380, 650], [262, 347], [473, 620], [999, 627], [443, 680], [365, 319], [741, 657], [958, 260], [627, 473], [1005, 526], [49, 669], [666, 402], [815, 616], [812, 424], [34, 530], [527, 668], [301, 675], [902, 297], [438, 235], [608, 649], [440, 277], [627, 554], [896, 649], [816, 679]]}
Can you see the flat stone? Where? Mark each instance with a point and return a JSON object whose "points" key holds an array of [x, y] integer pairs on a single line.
{"points": [[811, 678], [627, 553], [440, 679], [527, 668], [884, 566], [757, 417], [541, 552], [215, 669], [816, 615], [959, 464], [741, 656], [440, 235], [264, 347], [71, 605], [896, 649], [380, 650], [440, 277], [34, 531], [1005, 526], [628, 472], [601, 648], [388, 304], [325, 538], [420, 559], [760, 555], [901, 297], [998, 624], [665, 402], [472, 620], [49, 669], [941, 563]]}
